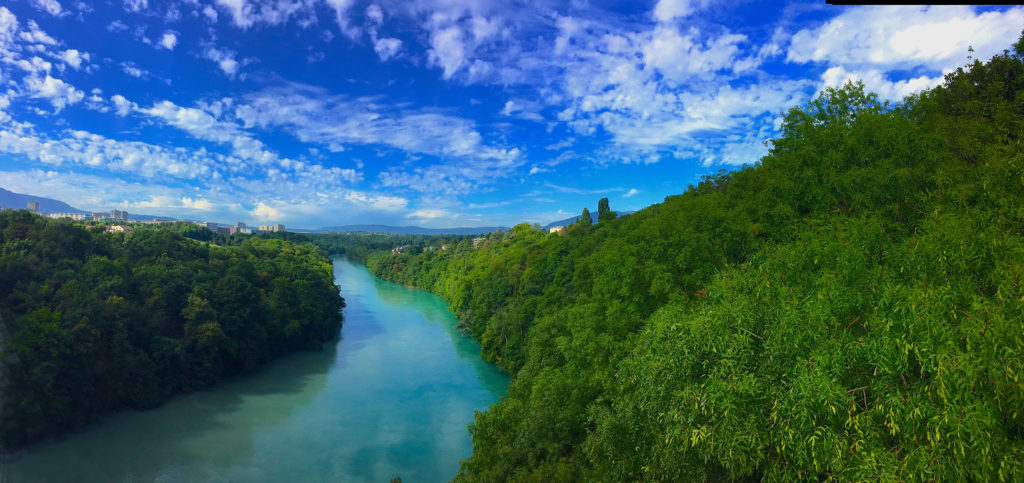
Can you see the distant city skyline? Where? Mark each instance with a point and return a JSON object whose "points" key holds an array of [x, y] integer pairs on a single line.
{"points": [[432, 113]]}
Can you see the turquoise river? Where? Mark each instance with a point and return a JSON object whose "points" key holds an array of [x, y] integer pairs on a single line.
{"points": [[391, 398]]}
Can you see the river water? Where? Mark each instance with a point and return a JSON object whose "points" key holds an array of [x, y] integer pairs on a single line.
{"points": [[391, 398]]}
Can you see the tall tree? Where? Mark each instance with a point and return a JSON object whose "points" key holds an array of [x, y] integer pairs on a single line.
{"points": [[604, 213], [585, 219]]}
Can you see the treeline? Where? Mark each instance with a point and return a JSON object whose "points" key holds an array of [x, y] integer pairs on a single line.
{"points": [[356, 246], [94, 321], [851, 307]]}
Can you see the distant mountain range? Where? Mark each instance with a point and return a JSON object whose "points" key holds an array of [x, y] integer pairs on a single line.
{"points": [[576, 218], [18, 201], [409, 230]]}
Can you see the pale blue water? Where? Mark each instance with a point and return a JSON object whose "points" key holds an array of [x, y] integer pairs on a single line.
{"points": [[391, 398]]}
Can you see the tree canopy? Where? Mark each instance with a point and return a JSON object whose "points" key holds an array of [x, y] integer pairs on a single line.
{"points": [[847, 308], [94, 321]]}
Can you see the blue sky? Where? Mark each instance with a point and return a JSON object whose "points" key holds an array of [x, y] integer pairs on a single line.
{"points": [[433, 113]]}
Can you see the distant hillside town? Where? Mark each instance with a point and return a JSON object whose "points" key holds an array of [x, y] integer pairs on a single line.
{"points": [[123, 216]]}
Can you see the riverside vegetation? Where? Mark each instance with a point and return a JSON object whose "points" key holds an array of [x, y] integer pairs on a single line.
{"points": [[99, 321], [849, 307]]}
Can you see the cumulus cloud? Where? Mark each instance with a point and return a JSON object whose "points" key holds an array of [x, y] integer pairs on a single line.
{"points": [[264, 211], [59, 93], [666, 10], [341, 8], [876, 81], [51, 7], [210, 13], [136, 5], [122, 106], [246, 14], [447, 51], [522, 109], [168, 40], [131, 69], [387, 48], [92, 150], [36, 35], [225, 59], [679, 57], [73, 58], [631, 192], [375, 14], [936, 37]]}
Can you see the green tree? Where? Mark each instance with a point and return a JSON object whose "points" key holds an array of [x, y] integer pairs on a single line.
{"points": [[604, 212], [847, 308], [585, 219]]}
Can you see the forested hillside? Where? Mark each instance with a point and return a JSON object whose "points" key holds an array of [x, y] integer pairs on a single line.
{"points": [[849, 307], [94, 321]]}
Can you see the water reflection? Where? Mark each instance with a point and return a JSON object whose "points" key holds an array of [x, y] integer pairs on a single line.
{"points": [[391, 398], [436, 311]]}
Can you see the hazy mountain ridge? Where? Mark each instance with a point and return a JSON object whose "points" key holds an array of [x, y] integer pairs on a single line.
{"points": [[19, 201]]}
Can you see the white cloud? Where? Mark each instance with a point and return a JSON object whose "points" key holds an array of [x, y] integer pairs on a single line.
{"points": [[117, 26], [666, 10], [73, 58], [136, 5], [341, 8], [59, 93], [225, 59], [631, 192], [245, 14], [132, 70], [375, 14], [210, 13], [313, 115], [169, 40], [523, 110], [8, 27], [5, 102], [93, 150], [51, 7], [876, 81], [34, 66], [203, 126], [431, 214], [264, 211], [679, 57], [447, 51], [237, 10], [122, 106], [36, 35], [935, 37], [387, 48], [376, 201]]}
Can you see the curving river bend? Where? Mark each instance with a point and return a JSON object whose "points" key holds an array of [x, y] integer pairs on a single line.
{"points": [[391, 399]]}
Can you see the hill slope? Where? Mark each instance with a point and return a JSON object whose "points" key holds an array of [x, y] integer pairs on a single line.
{"points": [[18, 201], [850, 307]]}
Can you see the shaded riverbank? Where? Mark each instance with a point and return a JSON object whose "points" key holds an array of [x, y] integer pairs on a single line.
{"points": [[391, 398]]}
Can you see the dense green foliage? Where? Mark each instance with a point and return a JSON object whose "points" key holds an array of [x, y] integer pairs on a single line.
{"points": [[585, 218], [97, 321], [850, 307], [358, 246]]}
